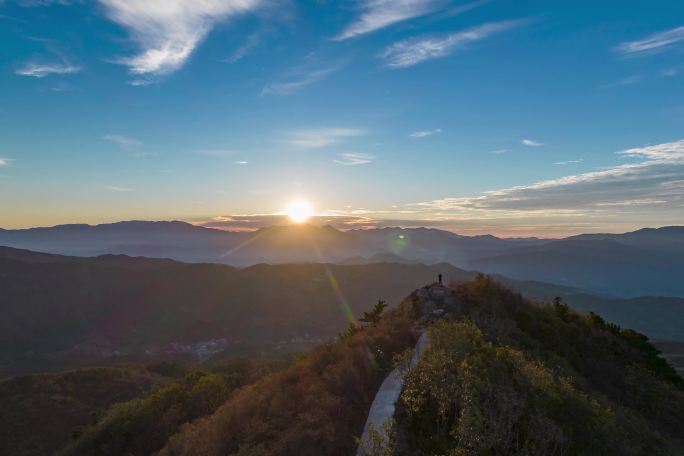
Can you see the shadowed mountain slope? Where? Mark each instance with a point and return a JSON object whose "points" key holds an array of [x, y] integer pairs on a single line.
{"points": [[61, 310], [601, 265]]}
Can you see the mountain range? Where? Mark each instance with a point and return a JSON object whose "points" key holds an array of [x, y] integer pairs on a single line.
{"points": [[69, 311], [643, 262]]}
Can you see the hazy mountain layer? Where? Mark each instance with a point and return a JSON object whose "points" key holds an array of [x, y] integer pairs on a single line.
{"points": [[644, 262]]}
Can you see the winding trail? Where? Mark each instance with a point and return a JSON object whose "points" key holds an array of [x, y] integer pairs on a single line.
{"points": [[382, 408]]}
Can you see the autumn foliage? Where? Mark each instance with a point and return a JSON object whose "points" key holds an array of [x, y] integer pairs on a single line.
{"points": [[505, 376]]}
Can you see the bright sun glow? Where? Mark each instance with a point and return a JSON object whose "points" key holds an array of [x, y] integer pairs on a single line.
{"points": [[299, 211]]}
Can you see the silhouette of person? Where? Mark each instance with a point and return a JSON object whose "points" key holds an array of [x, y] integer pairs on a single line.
{"points": [[440, 278]]}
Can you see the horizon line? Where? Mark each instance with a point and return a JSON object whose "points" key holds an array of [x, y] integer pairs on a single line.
{"points": [[368, 227]]}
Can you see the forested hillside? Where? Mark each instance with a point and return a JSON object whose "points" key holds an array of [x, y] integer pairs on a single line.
{"points": [[40, 413], [503, 375], [317, 406]]}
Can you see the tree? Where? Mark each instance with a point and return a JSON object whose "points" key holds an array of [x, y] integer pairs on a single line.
{"points": [[373, 317]]}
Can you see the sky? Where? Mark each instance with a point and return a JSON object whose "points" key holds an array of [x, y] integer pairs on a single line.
{"points": [[515, 118]]}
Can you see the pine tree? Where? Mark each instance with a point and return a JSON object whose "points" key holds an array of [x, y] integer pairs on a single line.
{"points": [[373, 317]]}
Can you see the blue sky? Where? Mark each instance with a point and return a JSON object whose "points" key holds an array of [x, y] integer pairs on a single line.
{"points": [[505, 117]]}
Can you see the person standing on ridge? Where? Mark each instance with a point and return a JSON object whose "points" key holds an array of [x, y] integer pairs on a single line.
{"points": [[440, 278]]}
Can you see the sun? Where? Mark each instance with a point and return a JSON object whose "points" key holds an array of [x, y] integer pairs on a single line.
{"points": [[299, 211]]}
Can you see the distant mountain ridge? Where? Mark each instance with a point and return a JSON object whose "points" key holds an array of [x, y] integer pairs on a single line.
{"points": [[642, 262], [604, 265], [277, 244]]}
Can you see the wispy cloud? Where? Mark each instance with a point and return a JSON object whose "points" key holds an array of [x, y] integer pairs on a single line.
{"points": [[569, 162], [40, 70], [296, 81], [635, 202], [531, 143], [62, 87], [125, 142], [411, 52], [353, 159], [378, 14], [653, 43], [6, 161], [168, 31], [448, 12], [321, 137], [654, 183], [240, 162], [424, 133], [116, 188], [32, 3], [498, 151], [666, 151], [217, 153], [140, 82], [630, 80], [250, 43]]}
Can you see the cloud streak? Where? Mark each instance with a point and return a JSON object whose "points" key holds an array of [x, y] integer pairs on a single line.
{"points": [[41, 70], [125, 142], [531, 143], [354, 159], [252, 41], [407, 53], [630, 80], [654, 183], [378, 14], [169, 31], [217, 153], [296, 82], [6, 161], [653, 43], [424, 133], [116, 188], [316, 138], [569, 162]]}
